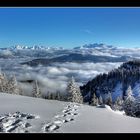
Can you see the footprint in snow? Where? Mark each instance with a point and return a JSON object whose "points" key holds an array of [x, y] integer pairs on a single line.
{"points": [[68, 120], [68, 113], [16, 122], [51, 127]]}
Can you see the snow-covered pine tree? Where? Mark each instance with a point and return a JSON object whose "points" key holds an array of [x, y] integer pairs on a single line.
{"points": [[58, 96], [78, 98], [129, 100], [109, 99], [73, 92], [135, 112], [21, 91], [100, 100], [9, 86], [63, 97], [128, 92], [118, 103], [48, 95], [94, 101], [5, 83], [119, 100], [12, 86], [52, 96], [36, 90], [2, 82]]}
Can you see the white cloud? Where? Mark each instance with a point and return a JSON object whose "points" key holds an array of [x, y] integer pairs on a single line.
{"points": [[55, 77], [6, 53], [87, 31]]}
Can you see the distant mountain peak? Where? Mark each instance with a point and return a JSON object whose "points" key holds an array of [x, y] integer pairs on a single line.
{"points": [[95, 46], [35, 47]]}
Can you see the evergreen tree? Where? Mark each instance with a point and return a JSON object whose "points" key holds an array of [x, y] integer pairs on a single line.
{"points": [[48, 95], [9, 86], [129, 100], [128, 92], [118, 104], [127, 106], [100, 100], [58, 96], [73, 92], [3, 83], [12, 86], [109, 99], [119, 101], [127, 74], [53, 96], [135, 108], [94, 101], [20, 91], [36, 90]]}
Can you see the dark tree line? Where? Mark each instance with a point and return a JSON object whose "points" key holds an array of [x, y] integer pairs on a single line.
{"points": [[127, 74]]}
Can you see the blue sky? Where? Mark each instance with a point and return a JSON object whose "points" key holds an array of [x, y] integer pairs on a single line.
{"points": [[69, 27]]}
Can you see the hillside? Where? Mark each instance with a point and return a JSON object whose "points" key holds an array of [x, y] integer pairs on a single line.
{"points": [[78, 58], [115, 82], [32, 115], [42, 110]]}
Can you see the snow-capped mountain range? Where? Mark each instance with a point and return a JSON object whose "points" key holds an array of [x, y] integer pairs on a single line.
{"points": [[39, 47], [35, 47], [96, 46], [95, 49]]}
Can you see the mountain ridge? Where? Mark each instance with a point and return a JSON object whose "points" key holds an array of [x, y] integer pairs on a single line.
{"points": [[128, 74], [41, 47], [93, 50]]}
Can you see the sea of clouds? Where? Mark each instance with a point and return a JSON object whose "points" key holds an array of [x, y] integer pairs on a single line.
{"points": [[54, 77]]}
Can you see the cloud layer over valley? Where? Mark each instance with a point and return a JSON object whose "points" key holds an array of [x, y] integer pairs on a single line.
{"points": [[54, 77]]}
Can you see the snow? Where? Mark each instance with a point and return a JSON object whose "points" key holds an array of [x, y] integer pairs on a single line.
{"points": [[118, 92], [16, 122], [35, 47], [116, 111], [91, 49], [101, 120], [20, 114], [44, 110], [136, 89], [68, 115]]}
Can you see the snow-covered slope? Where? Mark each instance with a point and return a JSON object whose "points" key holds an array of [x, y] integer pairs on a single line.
{"points": [[116, 81], [33, 115], [118, 92], [102, 120], [44, 110]]}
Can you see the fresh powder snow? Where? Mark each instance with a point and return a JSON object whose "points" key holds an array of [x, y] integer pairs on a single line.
{"points": [[24, 114]]}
